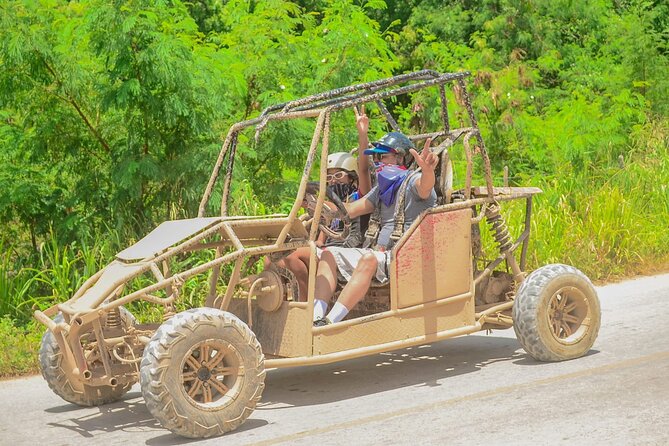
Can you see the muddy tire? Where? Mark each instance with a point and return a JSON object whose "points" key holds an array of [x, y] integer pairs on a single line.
{"points": [[556, 314], [50, 361], [202, 373]]}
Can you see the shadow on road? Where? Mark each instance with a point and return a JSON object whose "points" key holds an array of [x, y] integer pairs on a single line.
{"points": [[425, 365], [528, 360], [129, 414], [170, 439]]}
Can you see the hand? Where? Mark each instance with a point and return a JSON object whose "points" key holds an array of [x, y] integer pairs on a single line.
{"points": [[427, 160], [361, 120]]}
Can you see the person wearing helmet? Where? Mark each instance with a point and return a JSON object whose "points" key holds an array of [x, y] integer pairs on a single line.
{"points": [[342, 177], [359, 266], [348, 185]]}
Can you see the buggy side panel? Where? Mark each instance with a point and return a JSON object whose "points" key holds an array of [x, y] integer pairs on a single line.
{"points": [[423, 322], [431, 285], [285, 332], [433, 260]]}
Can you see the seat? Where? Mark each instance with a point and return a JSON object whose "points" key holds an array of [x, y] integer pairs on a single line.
{"points": [[444, 179]]}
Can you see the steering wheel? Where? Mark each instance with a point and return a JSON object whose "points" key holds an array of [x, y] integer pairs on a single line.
{"points": [[328, 215]]}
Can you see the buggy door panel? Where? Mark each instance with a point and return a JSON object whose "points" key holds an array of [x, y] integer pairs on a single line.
{"points": [[433, 260], [440, 317], [284, 332]]}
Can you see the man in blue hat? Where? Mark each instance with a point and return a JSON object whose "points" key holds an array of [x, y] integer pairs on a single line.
{"points": [[359, 266]]}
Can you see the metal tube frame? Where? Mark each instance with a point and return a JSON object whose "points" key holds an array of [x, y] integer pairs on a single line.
{"points": [[321, 107]]}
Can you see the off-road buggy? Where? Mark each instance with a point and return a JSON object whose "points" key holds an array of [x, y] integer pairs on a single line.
{"points": [[202, 371]]}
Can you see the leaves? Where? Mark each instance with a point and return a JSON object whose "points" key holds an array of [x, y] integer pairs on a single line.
{"points": [[111, 113]]}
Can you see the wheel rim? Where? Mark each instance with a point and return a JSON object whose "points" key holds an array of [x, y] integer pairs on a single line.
{"points": [[212, 374], [569, 315]]}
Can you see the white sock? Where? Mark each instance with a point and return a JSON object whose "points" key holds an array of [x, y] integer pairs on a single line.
{"points": [[320, 307], [338, 312]]}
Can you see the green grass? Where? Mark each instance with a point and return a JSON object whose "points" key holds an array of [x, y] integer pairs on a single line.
{"points": [[609, 219], [609, 222], [19, 346], [56, 270]]}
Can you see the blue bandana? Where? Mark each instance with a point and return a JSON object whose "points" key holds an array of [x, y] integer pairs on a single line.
{"points": [[390, 178]]}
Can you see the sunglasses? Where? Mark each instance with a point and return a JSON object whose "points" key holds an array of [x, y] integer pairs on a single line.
{"points": [[335, 176], [387, 155]]}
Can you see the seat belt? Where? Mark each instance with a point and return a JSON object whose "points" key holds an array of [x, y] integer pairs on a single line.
{"points": [[374, 228], [399, 216]]}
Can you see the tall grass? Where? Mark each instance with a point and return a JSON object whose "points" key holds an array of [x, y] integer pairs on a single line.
{"points": [[59, 270], [609, 221], [15, 283], [54, 273]]}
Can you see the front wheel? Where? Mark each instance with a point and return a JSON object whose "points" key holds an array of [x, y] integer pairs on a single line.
{"points": [[556, 314], [63, 384], [202, 373]]}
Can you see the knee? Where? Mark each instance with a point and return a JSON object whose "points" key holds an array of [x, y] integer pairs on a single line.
{"points": [[327, 262], [293, 261], [368, 263], [327, 256]]}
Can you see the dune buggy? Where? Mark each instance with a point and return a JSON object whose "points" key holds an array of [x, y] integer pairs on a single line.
{"points": [[202, 370]]}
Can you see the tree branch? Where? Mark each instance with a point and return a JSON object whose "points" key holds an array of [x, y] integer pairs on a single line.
{"points": [[76, 106], [261, 164]]}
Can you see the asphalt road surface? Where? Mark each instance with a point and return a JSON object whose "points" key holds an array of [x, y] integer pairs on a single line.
{"points": [[477, 389]]}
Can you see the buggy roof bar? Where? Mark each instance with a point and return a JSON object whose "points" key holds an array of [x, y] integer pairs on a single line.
{"points": [[319, 105], [332, 95], [339, 98]]}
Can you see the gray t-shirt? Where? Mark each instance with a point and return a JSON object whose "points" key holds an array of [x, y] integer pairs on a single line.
{"points": [[413, 206]]}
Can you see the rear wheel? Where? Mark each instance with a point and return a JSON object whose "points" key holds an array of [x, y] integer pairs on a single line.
{"points": [[556, 314], [62, 384], [202, 373]]}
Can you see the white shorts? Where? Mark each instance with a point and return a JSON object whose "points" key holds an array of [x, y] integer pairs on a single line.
{"points": [[348, 258]]}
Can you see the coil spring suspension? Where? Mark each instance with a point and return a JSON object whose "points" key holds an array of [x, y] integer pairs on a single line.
{"points": [[498, 225], [168, 313], [113, 318]]}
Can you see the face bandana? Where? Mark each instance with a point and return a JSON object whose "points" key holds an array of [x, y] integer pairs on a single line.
{"points": [[346, 192], [390, 178]]}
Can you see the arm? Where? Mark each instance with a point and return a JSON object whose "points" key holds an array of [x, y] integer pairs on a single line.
{"points": [[359, 207], [427, 161], [364, 177], [320, 240], [355, 209]]}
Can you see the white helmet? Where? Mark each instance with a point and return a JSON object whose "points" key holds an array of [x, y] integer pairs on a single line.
{"points": [[342, 160]]}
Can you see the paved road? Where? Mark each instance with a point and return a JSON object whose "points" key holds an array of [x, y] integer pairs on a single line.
{"points": [[479, 389]]}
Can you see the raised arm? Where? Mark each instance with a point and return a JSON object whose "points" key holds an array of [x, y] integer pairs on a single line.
{"points": [[362, 124], [427, 161]]}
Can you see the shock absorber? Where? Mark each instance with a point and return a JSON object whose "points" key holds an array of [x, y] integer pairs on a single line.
{"points": [[113, 319], [503, 239], [500, 230], [168, 312]]}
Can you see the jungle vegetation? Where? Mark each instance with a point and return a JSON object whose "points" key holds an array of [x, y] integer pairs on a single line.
{"points": [[112, 113]]}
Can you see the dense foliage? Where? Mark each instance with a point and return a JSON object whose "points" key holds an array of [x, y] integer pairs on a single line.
{"points": [[112, 111]]}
